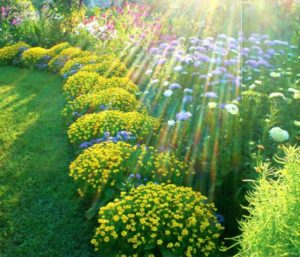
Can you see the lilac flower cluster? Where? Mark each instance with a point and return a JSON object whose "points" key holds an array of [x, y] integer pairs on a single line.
{"points": [[43, 63], [215, 66], [121, 136]]}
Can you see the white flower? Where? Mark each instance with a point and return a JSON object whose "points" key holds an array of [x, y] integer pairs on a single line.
{"points": [[166, 83], [253, 86], [297, 123], [178, 68], [188, 90], [171, 122], [148, 72], [275, 74], [293, 90], [168, 93], [212, 105], [154, 81], [279, 135], [232, 108], [276, 94], [297, 95], [258, 82]]}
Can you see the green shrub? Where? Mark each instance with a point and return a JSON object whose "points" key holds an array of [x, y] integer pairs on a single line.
{"points": [[108, 99], [108, 69], [59, 60], [158, 220], [33, 56], [93, 126], [56, 49], [272, 227], [111, 165], [10, 53], [88, 82]]}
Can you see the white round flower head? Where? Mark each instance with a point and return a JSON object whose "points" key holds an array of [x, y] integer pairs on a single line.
{"points": [[166, 83], [232, 109], [178, 68], [293, 90], [279, 135], [297, 123], [168, 92], [297, 95], [212, 105], [275, 74], [148, 72], [154, 81], [188, 90], [171, 122], [276, 94]]}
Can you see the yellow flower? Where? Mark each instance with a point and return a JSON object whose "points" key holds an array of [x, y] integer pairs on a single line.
{"points": [[184, 232], [159, 242]]}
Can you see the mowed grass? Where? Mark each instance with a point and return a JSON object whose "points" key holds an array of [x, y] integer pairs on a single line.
{"points": [[40, 214]]}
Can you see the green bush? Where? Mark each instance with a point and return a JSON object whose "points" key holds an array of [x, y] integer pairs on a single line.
{"points": [[93, 126], [111, 165], [158, 220], [108, 99], [10, 53], [33, 56], [272, 227]]}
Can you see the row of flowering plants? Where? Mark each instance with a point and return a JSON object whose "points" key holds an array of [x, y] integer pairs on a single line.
{"points": [[144, 208]]}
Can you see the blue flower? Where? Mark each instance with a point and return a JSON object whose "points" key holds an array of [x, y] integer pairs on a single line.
{"points": [[181, 116]]}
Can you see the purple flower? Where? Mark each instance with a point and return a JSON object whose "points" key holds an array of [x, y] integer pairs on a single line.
{"points": [[85, 145], [161, 61], [187, 99], [138, 176], [181, 116], [154, 51], [106, 135], [252, 63], [175, 86], [211, 95], [203, 58]]}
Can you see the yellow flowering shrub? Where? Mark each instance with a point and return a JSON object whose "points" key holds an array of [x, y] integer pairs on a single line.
{"points": [[79, 62], [9, 53], [56, 49], [84, 82], [158, 220], [109, 165], [59, 60], [93, 126], [108, 99], [117, 82], [81, 83], [33, 55], [108, 68]]}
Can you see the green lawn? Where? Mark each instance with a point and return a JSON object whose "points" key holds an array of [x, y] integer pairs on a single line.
{"points": [[40, 213]]}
